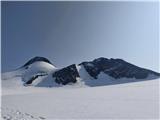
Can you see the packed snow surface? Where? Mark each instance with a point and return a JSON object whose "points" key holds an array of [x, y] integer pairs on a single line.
{"points": [[138, 100]]}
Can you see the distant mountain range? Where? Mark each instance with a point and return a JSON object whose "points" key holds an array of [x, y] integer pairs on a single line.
{"points": [[39, 71]]}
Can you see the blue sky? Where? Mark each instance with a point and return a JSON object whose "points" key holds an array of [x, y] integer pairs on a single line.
{"points": [[72, 32]]}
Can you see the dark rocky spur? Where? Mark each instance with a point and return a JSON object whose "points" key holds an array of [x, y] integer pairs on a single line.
{"points": [[66, 75]]}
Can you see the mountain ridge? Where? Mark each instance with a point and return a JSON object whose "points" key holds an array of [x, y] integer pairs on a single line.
{"points": [[101, 71]]}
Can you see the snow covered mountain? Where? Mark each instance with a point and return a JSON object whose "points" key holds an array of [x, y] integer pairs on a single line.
{"points": [[40, 72], [138, 100]]}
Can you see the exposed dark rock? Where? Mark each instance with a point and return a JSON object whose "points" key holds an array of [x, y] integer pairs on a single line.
{"points": [[66, 75], [35, 77], [35, 59], [116, 68], [91, 69]]}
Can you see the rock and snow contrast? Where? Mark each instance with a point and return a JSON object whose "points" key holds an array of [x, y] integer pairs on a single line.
{"points": [[40, 71], [92, 89]]}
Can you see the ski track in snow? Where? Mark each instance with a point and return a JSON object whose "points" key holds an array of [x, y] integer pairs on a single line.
{"points": [[13, 114]]}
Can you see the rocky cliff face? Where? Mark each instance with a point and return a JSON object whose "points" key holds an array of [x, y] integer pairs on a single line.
{"points": [[66, 75], [116, 68]]}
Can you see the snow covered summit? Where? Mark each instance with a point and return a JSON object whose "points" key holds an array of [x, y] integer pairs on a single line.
{"points": [[36, 59]]}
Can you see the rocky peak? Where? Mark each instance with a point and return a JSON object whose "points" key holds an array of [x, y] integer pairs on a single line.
{"points": [[116, 68]]}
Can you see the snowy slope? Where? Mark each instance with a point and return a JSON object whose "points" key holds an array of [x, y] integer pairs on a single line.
{"points": [[32, 93], [139, 100], [19, 77], [38, 68]]}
